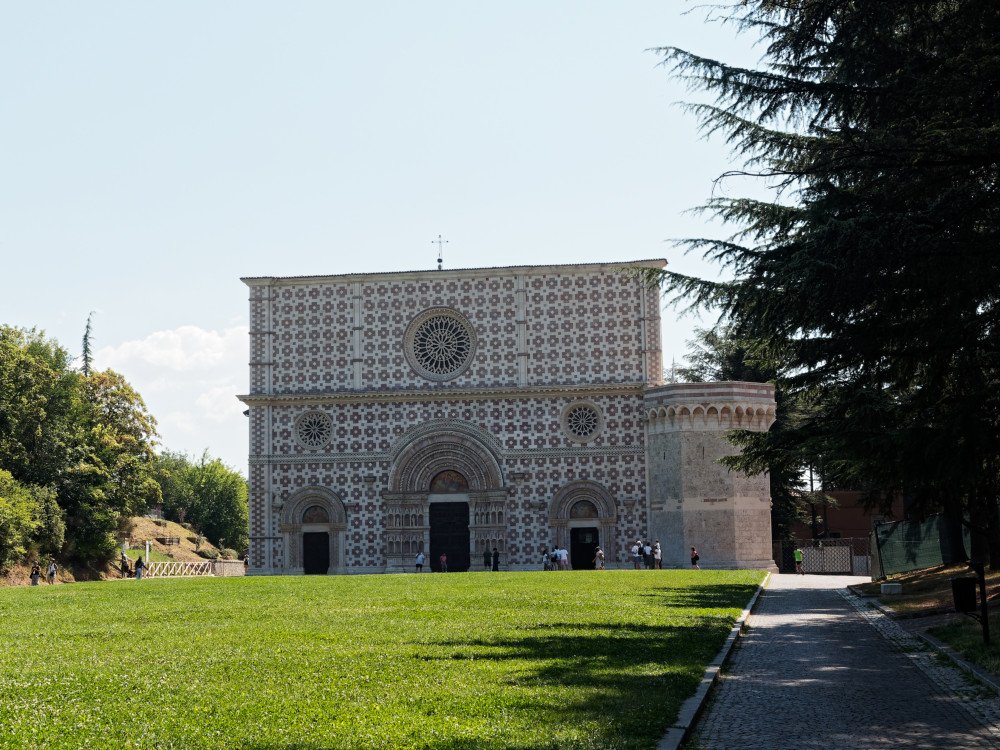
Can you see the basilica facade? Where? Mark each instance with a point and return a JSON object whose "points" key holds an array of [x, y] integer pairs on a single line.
{"points": [[456, 412]]}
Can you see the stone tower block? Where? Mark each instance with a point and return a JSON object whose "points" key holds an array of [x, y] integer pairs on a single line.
{"points": [[695, 500]]}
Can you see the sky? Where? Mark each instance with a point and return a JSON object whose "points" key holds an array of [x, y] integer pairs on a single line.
{"points": [[153, 153]]}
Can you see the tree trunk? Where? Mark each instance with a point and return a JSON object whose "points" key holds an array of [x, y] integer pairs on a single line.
{"points": [[952, 533], [993, 533]]}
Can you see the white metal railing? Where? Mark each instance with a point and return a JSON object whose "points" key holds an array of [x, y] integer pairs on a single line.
{"points": [[174, 569]]}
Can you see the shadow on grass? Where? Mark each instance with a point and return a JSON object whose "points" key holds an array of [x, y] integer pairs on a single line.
{"points": [[717, 596], [628, 680]]}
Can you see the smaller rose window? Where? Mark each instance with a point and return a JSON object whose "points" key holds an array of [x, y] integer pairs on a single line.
{"points": [[581, 422], [314, 430]]}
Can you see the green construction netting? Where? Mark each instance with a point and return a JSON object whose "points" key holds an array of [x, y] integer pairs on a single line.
{"points": [[902, 546]]}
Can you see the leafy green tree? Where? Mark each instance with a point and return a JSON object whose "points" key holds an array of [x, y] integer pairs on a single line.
{"points": [[18, 519], [87, 440], [30, 521], [38, 395], [113, 475], [208, 494], [874, 269]]}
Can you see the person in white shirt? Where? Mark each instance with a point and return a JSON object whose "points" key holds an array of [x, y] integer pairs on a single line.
{"points": [[636, 552], [599, 559], [420, 562], [657, 555], [563, 558]]}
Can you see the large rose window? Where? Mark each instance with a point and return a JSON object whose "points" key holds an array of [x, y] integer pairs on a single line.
{"points": [[439, 344]]}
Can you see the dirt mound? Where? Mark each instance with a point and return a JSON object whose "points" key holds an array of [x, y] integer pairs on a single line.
{"points": [[168, 540]]}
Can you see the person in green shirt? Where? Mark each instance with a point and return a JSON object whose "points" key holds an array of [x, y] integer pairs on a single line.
{"points": [[798, 561]]}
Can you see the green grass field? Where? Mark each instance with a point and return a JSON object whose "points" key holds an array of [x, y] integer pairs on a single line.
{"points": [[453, 662]]}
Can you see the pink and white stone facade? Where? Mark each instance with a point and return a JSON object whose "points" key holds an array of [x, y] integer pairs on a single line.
{"points": [[545, 406]]}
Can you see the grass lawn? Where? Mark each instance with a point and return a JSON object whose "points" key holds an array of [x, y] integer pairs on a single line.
{"points": [[925, 591], [965, 635], [450, 662]]}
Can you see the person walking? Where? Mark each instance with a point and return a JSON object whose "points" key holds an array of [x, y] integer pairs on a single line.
{"points": [[36, 574], [599, 559], [123, 566], [496, 560], [52, 572], [563, 558], [695, 557], [419, 561], [798, 554], [140, 565], [443, 561], [487, 559], [657, 555]]}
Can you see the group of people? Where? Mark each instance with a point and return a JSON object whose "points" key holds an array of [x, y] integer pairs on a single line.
{"points": [[491, 560], [646, 555], [555, 559], [50, 575], [558, 558], [129, 571]]}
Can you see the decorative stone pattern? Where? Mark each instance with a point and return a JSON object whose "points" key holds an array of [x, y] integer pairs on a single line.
{"points": [[527, 381]]}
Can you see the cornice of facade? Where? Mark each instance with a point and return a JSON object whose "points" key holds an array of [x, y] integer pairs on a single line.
{"points": [[574, 391], [386, 457], [453, 273]]}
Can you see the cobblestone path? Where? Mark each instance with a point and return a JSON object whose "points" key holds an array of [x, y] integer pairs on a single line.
{"points": [[819, 669]]}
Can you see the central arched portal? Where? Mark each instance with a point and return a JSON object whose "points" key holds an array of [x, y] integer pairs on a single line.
{"points": [[446, 497]]}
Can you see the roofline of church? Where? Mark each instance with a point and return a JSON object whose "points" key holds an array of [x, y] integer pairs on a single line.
{"points": [[466, 272]]}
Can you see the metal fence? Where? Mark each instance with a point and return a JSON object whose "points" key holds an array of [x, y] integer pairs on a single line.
{"points": [[843, 556], [902, 546]]}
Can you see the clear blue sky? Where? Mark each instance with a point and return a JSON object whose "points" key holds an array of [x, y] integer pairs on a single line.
{"points": [[152, 153]]}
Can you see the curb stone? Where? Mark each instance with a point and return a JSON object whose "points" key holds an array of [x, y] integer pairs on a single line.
{"points": [[691, 708], [959, 661]]}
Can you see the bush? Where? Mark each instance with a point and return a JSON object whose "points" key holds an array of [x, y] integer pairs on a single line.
{"points": [[208, 553], [18, 519], [230, 554]]}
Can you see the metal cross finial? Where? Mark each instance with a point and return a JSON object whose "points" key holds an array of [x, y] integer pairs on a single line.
{"points": [[440, 243]]}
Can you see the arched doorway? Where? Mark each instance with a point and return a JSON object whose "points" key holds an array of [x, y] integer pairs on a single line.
{"points": [[583, 516], [313, 526], [448, 473]]}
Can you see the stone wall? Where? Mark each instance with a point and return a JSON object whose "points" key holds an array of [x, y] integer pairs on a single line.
{"points": [[695, 500]]}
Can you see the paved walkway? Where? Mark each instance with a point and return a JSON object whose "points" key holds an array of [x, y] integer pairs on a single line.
{"points": [[819, 669]]}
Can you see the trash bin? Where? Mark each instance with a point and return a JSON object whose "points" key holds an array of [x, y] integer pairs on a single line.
{"points": [[963, 589]]}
